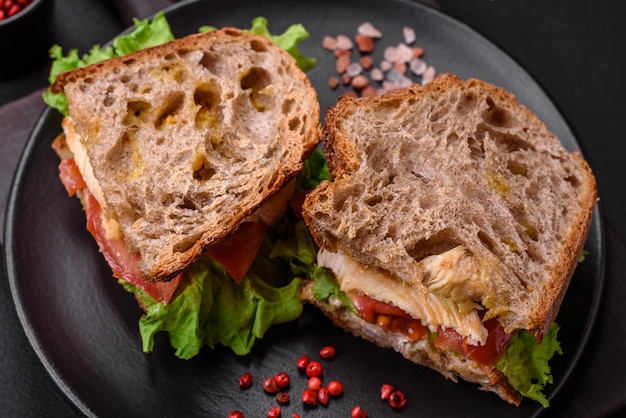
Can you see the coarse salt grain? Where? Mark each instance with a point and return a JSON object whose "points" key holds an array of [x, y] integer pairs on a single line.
{"points": [[354, 69], [417, 66], [329, 43], [404, 53], [386, 65], [344, 42], [376, 74], [408, 34], [367, 29]]}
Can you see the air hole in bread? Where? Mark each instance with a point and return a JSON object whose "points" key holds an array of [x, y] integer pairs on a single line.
{"points": [[439, 113], [167, 111], [526, 228], [125, 78], [137, 112], [517, 168], [373, 200], [222, 144], [288, 106], [438, 243], [294, 124], [496, 116], [258, 80], [466, 104], [109, 100], [477, 148], [169, 57], [208, 97], [486, 240], [213, 63], [130, 61], [573, 180], [451, 139], [202, 170], [258, 46], [511, 143]]}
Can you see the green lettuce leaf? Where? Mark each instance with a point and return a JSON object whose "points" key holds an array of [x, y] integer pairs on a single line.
{"points": [[213, 309], [313, 172], [288, 40], [325, 285], [145, 34], [525, 363]]}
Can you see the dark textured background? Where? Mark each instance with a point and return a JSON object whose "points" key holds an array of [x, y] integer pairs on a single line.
{"points": [[575, 51]]}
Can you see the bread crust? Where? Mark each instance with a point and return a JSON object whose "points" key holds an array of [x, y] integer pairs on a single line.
{"points": [[483, 171], [188, 138]]}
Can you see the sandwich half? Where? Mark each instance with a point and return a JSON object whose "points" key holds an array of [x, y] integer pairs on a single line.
{"points": [[452, 225], [186, 150]]}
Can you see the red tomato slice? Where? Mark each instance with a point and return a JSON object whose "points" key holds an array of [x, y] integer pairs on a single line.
{"points": [[238, 250], [122, 262], [389, 316], [488, 354], [70, 176]]}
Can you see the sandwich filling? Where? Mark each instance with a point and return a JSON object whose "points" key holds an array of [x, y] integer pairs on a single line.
{"points": [[452, 281]]}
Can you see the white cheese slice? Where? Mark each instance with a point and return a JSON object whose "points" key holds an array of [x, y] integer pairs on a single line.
{"points": [[452, 280]]}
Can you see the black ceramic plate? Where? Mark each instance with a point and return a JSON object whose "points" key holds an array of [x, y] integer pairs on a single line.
{"points": [[83, 325]]}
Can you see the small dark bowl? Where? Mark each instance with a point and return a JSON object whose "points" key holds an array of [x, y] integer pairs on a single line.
{"points": [[25, 38]]}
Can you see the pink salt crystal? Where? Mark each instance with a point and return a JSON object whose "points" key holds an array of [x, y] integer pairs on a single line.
{"points": [[367, 29], [418, 51], [368, 91], [391, 54], [359, 82], [386, 65], [329, 43], [409, 35], [342, 63], [376, 74], [429, 74], [364, 43], [333, 82], [343, 42], [354, 69], [405, 53], [366, 62], [400, 67], [417, 66]]}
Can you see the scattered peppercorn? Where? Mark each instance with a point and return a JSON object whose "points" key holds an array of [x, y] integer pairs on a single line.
{"points": [[323, 396], [327, 352], [303, 362], [358, 412], [282, 380], [314, 369], [274, 412], [309, 397], [314, 383], [335, 388], [283, 398], [270, 386], [235, 414], [245, 381], [10, 8], [385, 391], [397, 399]]}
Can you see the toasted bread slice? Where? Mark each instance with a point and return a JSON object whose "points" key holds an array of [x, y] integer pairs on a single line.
{"points": [[444, 200], [181, 142]]}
